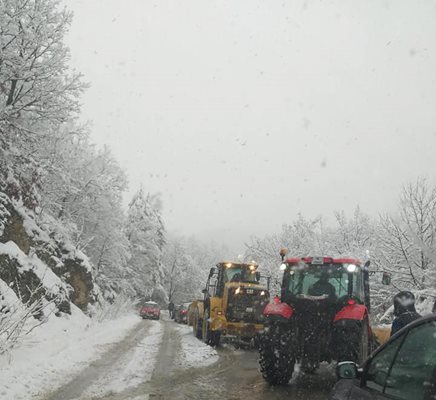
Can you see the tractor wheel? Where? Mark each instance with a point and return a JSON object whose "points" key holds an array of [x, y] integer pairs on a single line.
{"points": [[355, 346], [212, 338], [197, 326], [276, 359]]}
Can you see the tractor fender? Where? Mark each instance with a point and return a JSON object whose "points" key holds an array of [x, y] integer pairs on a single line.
{"points": [[280, 309], [357, 312]]}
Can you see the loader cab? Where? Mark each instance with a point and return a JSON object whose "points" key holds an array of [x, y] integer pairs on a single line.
{"points": [[230, 272]]}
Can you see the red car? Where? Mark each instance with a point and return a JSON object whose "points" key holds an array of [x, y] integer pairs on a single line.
{"points": [[150, 310]]}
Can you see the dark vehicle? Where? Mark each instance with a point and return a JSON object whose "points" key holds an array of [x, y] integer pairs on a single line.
{"points": [[404, 368], [181, 313], [150, 310], [322, 315]]}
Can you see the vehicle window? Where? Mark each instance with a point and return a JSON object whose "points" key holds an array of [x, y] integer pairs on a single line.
{"points": [[413, 374], [239, 274], [301, 281], [380, 365]]}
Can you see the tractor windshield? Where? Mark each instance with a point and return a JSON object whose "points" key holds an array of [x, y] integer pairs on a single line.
{"points": [[239, 274], [324, 281]]}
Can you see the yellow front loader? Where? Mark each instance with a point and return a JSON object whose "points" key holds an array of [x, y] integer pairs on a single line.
{"points": [[234, 299]]}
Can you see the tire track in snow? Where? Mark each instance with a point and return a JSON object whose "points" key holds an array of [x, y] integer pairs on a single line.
{"points": [[88, 376], [132, 369]]}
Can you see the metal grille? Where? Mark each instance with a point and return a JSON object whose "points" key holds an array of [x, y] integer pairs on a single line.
{"points": [[246, 306]]}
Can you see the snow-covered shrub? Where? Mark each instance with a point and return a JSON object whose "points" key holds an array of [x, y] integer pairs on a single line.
{"points": [[121, 305], [18, 318]]}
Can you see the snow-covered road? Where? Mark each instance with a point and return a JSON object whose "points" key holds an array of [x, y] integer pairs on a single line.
{"points": [[132, 359]]}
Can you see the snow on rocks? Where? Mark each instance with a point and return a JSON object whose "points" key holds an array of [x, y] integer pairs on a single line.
{"points": [[4, 213], [48, 278], [51, 354], [194, 353]]}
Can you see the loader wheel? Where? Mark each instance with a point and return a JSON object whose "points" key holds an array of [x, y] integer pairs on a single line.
{"points": [[276, 357], [212, 338], [355, 346], [197, 326]]}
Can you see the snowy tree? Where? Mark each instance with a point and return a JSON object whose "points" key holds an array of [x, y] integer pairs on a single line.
{"points": [[146, 235], [35, 82], [187, 263], [47, 162], [407, 241], [38, 93], [352, 237], [302, 237], [179, 271]]}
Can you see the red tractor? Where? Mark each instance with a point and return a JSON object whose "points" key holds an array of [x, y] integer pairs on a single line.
{"points": [[322, 315]]}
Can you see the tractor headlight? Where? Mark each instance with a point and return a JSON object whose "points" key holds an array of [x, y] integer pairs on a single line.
{"points": [[262, 293], [238, 290], [282, 267], [351, 268]]}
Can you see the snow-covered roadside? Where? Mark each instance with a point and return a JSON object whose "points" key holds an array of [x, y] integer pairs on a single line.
{"points": [[51, 354], [194, 353], [135, 367]]}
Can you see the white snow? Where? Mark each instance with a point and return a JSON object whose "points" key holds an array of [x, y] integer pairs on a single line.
{"points": [[8, 296], [52, 353], [135, 367], [194, 353]]}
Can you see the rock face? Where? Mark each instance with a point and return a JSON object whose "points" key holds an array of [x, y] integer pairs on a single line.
{"points": [[38, 264]]}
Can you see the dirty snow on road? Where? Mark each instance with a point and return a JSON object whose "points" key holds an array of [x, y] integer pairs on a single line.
{"points": [[55, 351], [133, 367], [194, 353]]}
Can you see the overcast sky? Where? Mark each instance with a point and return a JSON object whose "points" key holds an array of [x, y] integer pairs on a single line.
{"points": [[245, 113]]}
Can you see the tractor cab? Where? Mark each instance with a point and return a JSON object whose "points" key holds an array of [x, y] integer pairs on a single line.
{"points": [[326, 280]]}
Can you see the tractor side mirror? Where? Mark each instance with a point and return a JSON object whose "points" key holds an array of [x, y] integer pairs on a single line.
{"points": [[211, 272], [257, 276], [386, 278]]}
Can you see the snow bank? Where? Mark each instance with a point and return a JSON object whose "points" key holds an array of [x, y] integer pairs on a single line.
{"points": [[54, 352], [194, 353]]}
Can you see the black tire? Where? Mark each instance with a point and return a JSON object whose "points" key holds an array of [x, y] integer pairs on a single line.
{"points": [[212, 338], [354, 344], [276, 356]]}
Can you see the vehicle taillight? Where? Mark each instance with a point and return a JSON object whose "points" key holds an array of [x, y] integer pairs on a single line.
{"points": [[351, 302], [183, 311]]}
